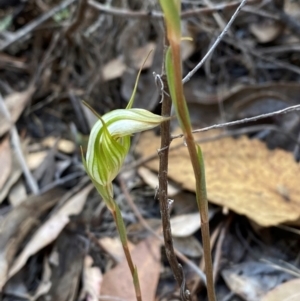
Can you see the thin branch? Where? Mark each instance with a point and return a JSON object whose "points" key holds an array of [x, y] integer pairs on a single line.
{"points": [[163, 181], [126, 13], [245, 120], [18, 149], [218, 40]]}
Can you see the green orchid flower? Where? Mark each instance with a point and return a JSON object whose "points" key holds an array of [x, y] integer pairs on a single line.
{"points": [[109, 141], [109, 144]]}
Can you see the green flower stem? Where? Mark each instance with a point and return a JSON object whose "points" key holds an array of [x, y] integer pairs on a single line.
{"points": [[174, 76], [123, 237], [183, 117], [108, 146]]}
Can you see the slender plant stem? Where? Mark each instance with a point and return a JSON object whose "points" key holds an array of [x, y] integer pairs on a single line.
{"points": [[184, 119], [128, 257], [163, 179]]}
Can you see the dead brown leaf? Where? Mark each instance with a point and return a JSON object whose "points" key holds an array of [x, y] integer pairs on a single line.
{"points": [[292, 8], [92, 280], [189, 246], [251, 280], [139, 55], [266, 31], [288, 291], [15, 104], [18, 193], [45, 283], [34, 160], [185, 224], [5, 159], [113, 246], [63, 145], [241, 174], [118, 281], [51, 228], [151, 179], [16, 225], [113, 69], [67, 262], [15, 174], [116, 67]]}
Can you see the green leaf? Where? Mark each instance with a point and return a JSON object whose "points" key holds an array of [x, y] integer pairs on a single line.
{"points": [[136, 281], [171, 9], [170, 76], [202, 167], [130, 103]]}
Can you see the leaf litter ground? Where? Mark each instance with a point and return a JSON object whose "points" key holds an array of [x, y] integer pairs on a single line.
{"points": [[61, 244]]}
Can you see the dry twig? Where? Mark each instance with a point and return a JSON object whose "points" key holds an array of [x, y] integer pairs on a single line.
{"points": [[126, 13], [245, 120], [216, 43]]}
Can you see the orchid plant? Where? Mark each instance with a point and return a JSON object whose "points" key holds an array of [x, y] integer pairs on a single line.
{"points": [[173, 66], [108, 146], [109, 143]]}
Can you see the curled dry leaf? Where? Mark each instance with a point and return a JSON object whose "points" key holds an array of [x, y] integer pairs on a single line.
{"points": [[51, 228], [241, 174]]}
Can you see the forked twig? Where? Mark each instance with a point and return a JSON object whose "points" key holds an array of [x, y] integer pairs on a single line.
{"points": [[216, 43]]}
